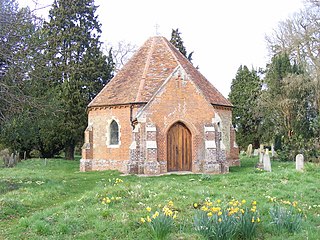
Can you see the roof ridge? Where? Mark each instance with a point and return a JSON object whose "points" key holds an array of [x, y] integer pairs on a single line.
{"points": [[169, 48], [144, 73]]}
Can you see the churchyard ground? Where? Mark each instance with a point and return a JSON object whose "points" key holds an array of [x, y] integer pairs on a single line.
{"points": [[51, 199]]}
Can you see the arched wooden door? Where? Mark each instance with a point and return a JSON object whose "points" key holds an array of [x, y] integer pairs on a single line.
{"points": [[179, 155]]}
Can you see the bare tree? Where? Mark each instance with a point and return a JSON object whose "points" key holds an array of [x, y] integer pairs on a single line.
{"points": [[121, 53], [299, 37]]}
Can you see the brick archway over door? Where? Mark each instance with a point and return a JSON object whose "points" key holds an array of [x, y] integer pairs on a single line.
{"points": [[179, 142]]}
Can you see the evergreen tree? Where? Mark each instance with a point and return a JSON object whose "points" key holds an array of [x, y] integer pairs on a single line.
{"points": [[77, 67], [286, 106], [245, 89], [17, 28], [177, 41]]}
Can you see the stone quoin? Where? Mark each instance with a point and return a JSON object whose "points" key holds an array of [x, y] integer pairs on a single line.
{"points": [[159, 114]]}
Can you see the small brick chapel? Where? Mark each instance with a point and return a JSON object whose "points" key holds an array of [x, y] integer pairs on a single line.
{"points": [[159, 114]]}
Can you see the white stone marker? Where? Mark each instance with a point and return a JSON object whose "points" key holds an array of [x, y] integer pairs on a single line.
{"points": [[249, 150], [266, 161], [299, 162]]}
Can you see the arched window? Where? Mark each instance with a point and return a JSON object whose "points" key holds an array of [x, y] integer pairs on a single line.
{"points": [[114, 133]]}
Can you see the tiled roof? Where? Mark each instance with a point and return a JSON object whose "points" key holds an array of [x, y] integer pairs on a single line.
{"points": [[146, 71]]}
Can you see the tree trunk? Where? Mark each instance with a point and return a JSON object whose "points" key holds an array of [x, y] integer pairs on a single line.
{"points": [[69, 151]]}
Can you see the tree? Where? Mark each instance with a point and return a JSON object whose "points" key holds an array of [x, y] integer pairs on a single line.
{"points": [[245, 89], [177, 41], [77, 67], [16, 45], [121, 53], [298, 38], [286, 105]]}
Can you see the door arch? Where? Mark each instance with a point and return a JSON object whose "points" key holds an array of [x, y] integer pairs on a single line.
{"points": [[179, 142]]}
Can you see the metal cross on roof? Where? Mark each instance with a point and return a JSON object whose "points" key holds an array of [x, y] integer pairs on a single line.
{"points": [[157, 26]]}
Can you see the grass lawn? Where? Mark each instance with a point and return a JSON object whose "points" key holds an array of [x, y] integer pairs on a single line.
{"points": [[52, 200]]}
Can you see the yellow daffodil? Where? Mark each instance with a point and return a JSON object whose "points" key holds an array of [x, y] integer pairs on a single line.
{"points": [[156, 214], [195, 205], [148, 219], [254, 203], [170, 204], [252, 220], [209, 214], [258, 220], [219, 220], [219, 213], [148, 209], [243, 201], [218, 201], [204, 208], [142, 220]]}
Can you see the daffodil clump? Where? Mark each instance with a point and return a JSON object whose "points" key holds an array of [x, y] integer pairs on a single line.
{"points": [[285, 215], [259, 170], [109, 200], [115, 181], [160, 221], [220, 220]]}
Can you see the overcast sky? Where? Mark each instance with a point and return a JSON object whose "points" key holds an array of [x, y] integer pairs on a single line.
{"points": [[222, 34]]}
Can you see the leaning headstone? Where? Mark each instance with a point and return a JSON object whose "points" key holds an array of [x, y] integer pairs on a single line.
{"points": [[266, 161], [256, 152], [249, 150], [299, 162]]}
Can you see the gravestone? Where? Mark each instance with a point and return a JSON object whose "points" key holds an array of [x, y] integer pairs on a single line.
{"points": [[256, 152], [272, 150], [266, 161], [249, 150], [261, 156], [299, 162], [261, 148]]}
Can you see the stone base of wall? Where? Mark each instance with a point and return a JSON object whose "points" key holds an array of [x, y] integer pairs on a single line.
{"points": [[152, 168], [148, 168], [102, 164], [163, 167], [233, 162], [215, 168]]}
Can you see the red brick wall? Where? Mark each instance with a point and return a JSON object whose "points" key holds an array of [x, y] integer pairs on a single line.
{"points": [[100, 118], [180, 100]]}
